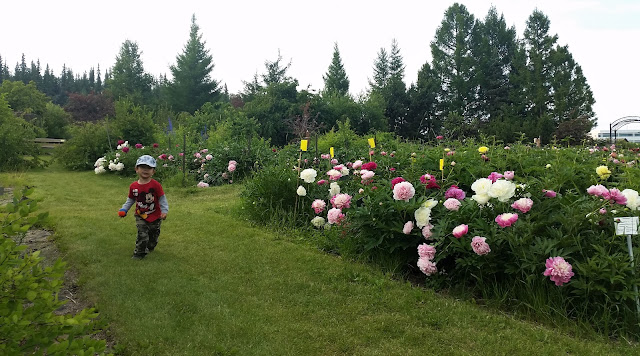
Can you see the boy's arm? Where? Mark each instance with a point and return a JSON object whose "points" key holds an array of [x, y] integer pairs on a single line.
{"points": [[126, 206], [164, 204]]}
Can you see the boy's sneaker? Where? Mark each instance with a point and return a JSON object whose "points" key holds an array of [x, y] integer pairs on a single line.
{"points": [[137, 257]]}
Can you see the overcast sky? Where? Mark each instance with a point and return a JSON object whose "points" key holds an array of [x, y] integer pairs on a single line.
{"points": [[603, 36]]}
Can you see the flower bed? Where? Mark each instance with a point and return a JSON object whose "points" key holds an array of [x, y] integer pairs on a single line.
{"points": [[531, 227]]}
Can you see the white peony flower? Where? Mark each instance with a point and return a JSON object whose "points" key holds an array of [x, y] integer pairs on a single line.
{"points": [[308, 175], [502, 189], [119, 166], [99, 170], [481, 199], [318, 221], [633, 201], [481, 186], [431, 203], [423, 216], [301, 191], [334, 189]]}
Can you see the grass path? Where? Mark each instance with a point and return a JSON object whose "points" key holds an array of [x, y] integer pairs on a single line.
{"points": [[217, 286]]}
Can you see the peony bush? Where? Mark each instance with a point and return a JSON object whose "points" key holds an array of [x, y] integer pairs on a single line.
{"points": [[518, 223]]}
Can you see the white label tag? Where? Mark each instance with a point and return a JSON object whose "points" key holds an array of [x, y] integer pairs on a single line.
{"points": [[626, 225]]}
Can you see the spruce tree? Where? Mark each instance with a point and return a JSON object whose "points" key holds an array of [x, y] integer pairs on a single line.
{"points": [[455, 66], [336, 81], [395, 94], [129, 79], [192, 85], [380, 71]]}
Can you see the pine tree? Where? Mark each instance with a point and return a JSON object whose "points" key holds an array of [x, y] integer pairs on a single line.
{"points": [[336, 81], [422, 121], [455, 66], [4, 75], [98, 88], [495, 53], [380, 71], [192, 85], [395, 94], [129, 79], [276, 72], [92, 80]]}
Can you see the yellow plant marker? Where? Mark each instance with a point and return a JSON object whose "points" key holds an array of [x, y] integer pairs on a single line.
{"points": [[441, 163], [303, 145], [331, 152], [372, 142]]}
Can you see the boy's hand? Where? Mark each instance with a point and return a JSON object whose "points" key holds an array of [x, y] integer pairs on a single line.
{"points": [[163, 216], [122, 213]]}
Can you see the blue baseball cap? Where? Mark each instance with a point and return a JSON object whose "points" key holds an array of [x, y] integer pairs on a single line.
{"points": [[147, 161]]}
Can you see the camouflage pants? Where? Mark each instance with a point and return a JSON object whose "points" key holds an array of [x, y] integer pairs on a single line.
{"points": [[148, 233]]}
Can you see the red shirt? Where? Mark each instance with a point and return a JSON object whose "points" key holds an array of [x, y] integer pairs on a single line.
{"points": [[147, 199]]}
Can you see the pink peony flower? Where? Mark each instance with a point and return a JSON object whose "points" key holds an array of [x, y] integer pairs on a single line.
{"points": [[341, 201], [233, 162], [427, 266], [602, 211], [494, 176], [549, 193], [334, 161], [209, 157], [559, 270], [370, 166], [120, 142], [615, 196], [451, 153], [460, 230], [479, 245], [426, 231], [335, 216], [383, 153], [334, 174], [318, 205], [455, 192], [392, 169], [403, 191], [509, 175], [372, 152], [203, 185], [523, 204], [439, 137], [426, 251], [452, 204], [506, 219], [396, 180], [125, 149], [231, 167], [197, 155], [322, 181], [408, 226], [155, 145], [138, 145], [162, 156], [357, 164], [204, 150], [429, 181], [366, 176]]}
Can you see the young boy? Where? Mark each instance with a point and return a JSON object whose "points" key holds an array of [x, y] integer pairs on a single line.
{"points": [[151, 206]]}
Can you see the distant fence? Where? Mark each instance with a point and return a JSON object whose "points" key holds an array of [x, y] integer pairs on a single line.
{"points": [[49, 142]]}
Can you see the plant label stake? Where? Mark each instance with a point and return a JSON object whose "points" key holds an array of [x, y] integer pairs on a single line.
{"points": [[629, 226]]}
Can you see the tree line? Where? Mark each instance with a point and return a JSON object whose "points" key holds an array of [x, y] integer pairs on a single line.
{"points": [[482, 80]]}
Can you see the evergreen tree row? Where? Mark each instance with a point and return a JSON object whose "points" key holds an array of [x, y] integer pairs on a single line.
{"points": [[482, 79]]}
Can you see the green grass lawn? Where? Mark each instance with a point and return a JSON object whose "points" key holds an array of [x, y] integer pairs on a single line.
{"points": [[218, 286]]}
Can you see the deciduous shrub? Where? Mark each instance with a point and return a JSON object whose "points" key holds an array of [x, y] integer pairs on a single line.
{"points": [[29, 294]]}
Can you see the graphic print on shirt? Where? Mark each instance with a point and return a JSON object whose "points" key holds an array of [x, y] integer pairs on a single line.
{"points": [[145, 203]]}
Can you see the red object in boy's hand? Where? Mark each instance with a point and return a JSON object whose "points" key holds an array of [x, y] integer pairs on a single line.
{"points": [[122, 214]]}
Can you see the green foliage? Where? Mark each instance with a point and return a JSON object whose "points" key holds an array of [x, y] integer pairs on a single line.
{"points": [[192, 85], [24, 99], [88, 142], [56, 121], [128, 78], [132, 123], [29, 294], [335, 80], [15, 137], [513, 270]]}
